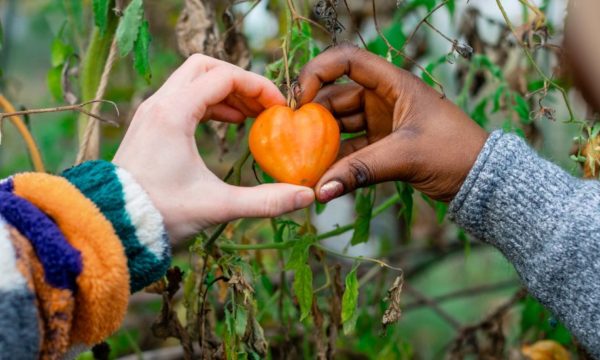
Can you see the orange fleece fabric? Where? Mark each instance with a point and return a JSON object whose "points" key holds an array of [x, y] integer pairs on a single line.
{"points": [[103, 285], [56, 310]]}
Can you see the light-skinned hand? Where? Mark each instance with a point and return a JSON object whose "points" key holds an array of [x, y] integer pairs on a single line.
{"points": [[160, 151]]}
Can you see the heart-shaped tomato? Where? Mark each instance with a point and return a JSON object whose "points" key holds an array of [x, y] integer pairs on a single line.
{"points": [[295, 147]]}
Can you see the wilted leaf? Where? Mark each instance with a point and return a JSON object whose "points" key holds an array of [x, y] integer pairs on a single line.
{"points": [[463, 49], [364, 209], [241, 286], [256, 338], [350, 302], [141, 52], [101, 14], [545, 350], [129, 26], [304, 290], [393, 311], [241, 320]]}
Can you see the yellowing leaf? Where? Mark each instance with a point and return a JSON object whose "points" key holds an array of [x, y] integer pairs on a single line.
{"points": [[545, 350]]}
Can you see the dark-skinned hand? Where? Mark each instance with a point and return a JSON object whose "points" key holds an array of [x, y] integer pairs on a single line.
{"points": [[411, 133]]}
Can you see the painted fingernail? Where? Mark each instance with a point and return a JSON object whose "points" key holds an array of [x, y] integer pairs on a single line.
{"points": [[304, 198], [330, 191]]}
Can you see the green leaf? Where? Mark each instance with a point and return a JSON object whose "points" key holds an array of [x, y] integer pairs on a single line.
{"points": [[395, 36], [498, 94], [441, 209], [129, 26], [141, 52], [54, 79], [595, 130], [451, 5], [364, 208], [430, 69], [485, 62], [303, 289], [59, 52], [319, 207], [522, 108], [406, 198], [241, 320], [479, 114], [299, 255], [101, 14], [350, 301]]}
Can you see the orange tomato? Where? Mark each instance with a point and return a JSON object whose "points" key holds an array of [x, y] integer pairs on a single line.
{"points": [[295, 147]]}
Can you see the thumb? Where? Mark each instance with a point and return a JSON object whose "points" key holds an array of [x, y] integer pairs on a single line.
{"points": [[381, 161], [267, 200]]}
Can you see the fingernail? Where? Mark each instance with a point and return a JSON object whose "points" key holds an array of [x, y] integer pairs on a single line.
{"points": [[304, 198], [330, 191]]}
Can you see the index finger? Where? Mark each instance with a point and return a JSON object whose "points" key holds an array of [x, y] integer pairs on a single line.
{"points": [[366, 69], [224, 80]]}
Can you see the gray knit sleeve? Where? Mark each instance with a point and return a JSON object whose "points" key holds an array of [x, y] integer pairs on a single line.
{"points": [[546, 222]]}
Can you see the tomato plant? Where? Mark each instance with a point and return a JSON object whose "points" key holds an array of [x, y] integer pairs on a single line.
{"points": [[378, 274]]}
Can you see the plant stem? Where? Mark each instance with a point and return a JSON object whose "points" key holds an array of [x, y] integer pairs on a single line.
{"points": [[93, 65], [534, 63], [287, 244], [76, 107], [378, 210], [34, 151], [434, 306], [412, 34], [463, 293], [358, 258], [391, 48]]}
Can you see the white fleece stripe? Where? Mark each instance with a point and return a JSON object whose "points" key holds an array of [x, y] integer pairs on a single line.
{"points": [[10, 276], [148, 222]]}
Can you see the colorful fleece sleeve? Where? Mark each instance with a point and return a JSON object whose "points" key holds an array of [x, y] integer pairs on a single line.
{"points": [[72, 249]]}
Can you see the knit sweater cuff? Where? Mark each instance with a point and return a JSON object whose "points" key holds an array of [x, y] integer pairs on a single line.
{"points": [[501, 201], [136, 221]]}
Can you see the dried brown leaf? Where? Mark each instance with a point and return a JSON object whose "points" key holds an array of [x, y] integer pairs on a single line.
{"points": [[545, 350], [393, 312]]}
